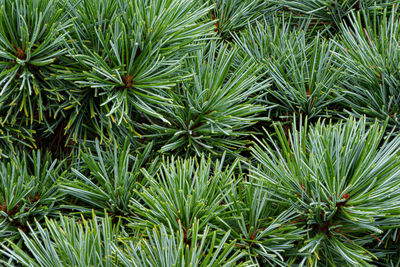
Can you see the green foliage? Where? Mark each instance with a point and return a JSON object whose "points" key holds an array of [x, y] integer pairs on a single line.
{"points": [[343, 182], [32, 33], [332, 13], [184, 191], [302, 70], [261, 227], [164, 249], [106, 180], [213, 110], [234, 15], [13, 134], [28, 192], [66, 242], [145, 116], [128, 63], [369, 53]]}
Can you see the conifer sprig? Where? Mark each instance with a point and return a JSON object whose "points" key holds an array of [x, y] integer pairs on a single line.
{"points": [[343, 181], [32, 33], [215, 108]]}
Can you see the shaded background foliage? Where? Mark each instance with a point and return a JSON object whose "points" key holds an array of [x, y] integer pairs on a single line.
{"points": [[203, 133]]}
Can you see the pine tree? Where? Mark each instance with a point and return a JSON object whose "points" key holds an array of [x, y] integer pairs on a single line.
{"points": [[199, 133]]}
